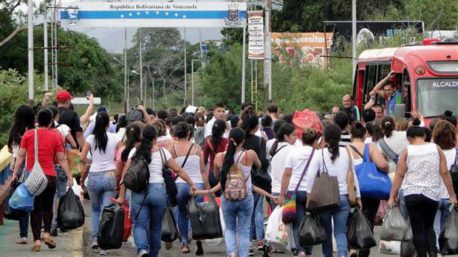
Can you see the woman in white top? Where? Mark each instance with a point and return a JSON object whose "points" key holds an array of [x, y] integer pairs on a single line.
{"points": [[335, 161], [148, 208], [279, 151], [190, 157], [358, 148], [237, 214], [444, 136], [421, 168], [293, 181], [102, 178], [392, 144]]}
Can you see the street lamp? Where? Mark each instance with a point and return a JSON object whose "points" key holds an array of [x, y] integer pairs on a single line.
{"points": [[192, 79]]}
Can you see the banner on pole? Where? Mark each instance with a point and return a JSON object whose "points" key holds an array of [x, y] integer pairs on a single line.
{"points": [[255, 35], [154, 14]]}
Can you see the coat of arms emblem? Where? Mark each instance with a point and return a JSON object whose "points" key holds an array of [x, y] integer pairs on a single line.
{"points": [[233, 15]]}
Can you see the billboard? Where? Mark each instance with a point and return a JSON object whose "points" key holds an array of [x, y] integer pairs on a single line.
{"points": [[255, 35], [302, 48], [154, 14]]}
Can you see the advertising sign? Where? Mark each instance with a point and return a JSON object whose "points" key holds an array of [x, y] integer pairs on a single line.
{"points": [[154, 14], [255, 35], [305, 48]]}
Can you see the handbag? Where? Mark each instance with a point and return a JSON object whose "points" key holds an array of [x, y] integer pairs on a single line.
{"points": [[261, 178], [22, 199], [37, 182], [325, 191], [204, 218], [137, 175], [388, 151], [372, 182], [351, 181], [289, 214], [169, 231], [454, 172], [169, 181]]}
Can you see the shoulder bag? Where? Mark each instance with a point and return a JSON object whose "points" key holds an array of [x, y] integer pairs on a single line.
{"points": [[454, 172], [351, 180], [289, 214], [325, 191], [260, 177], [169, 181], [388, 151], [36, 182]]}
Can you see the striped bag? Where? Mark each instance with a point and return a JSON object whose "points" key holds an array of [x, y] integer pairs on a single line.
{"points": [[37, 181], [289, 208]]}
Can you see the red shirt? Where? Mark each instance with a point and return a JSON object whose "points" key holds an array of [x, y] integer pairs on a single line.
{"points": [[49, 143], [210, 151]]}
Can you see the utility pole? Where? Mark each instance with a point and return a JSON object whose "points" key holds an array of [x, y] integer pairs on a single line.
{"points": [[30, 51], [185, 71], [45, 45], [126, 105], [353, 36], [243, 64], [268, 49], [141, 67]]}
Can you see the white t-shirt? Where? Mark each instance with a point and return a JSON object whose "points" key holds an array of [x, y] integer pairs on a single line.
{"points": [[296, 160], [450, 156], [156, 164], [338, 168], [63, 129], [277, 165], [103, 161], [209, 127], [120, 134]]}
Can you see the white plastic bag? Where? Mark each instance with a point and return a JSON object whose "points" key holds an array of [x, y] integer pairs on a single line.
{"points": [[394, 226], [276, 230]]}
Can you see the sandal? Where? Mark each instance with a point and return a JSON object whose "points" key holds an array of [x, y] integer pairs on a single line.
{"points": [[185, 249], [50, 243], [36, 248]]}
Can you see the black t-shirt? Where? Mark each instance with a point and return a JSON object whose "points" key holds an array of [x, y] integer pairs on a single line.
{"points": [[71, 119]]}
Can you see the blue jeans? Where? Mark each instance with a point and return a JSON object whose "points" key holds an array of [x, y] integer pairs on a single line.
{"points": [[340, 216], [237, 217], [101, 188], [257, 219], [301, 202], [439, 220], [148, 224], [183, 197], [61, 189]]}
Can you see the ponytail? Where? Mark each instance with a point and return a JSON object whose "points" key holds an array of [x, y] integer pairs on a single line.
{"points": [[332, 138], [133, 135], [149, 135], [284, 130], [100, 131], [236, 137], [388, 126]]}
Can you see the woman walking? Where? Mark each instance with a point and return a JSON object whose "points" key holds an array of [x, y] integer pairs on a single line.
{"points": [[334, 160], [24, 119], [421, 168], [102, 173], [50, 148], [190, 157], [148, 208], [293, 182], [212, 146]]}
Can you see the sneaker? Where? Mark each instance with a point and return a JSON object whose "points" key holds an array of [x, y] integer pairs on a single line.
{"points": [[22, 241], [94, 245], [251, 252], [199, 250], [260, 245], [143, 253]]}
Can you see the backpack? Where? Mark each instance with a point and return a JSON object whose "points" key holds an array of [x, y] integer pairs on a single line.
{"points": [[137, 175], [235, 189]]}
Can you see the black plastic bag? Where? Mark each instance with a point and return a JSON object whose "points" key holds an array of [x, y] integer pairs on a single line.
{"points": [[169, 231], [448, 239], [10, 213], [311, 231], [360, 235], [394, 226], [111, 227], [205, 220], [70, 214]]}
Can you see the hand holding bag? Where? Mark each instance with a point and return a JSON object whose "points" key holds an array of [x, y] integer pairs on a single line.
{"points": [[394, 226], [289, 208], [205, 219], [37, 182], [325, 191]]}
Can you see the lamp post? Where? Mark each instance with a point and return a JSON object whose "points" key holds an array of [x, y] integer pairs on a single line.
{"points": [[192, 79]]}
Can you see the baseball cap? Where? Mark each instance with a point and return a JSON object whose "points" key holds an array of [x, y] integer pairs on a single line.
{"points": [[63, 95]]}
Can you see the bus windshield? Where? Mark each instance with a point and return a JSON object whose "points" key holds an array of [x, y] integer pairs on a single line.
{"points": [[434, 96]]}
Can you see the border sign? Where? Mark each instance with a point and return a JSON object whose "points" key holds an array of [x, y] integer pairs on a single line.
{"points": [[155, 14], [255, 35]]}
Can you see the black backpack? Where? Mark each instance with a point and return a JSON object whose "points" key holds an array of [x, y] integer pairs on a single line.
{"points": [[137, 175]]}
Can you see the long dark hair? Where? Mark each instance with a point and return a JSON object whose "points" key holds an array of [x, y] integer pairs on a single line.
{"points": [[332, 138], [217, 132], [133, 135], [249, 123], [102, 120], [149, 135], [24, 119], [285, 130], [236, 137]]}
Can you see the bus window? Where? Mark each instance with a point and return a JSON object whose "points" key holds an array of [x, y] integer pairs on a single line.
{"points": [[371, 80], [405, 90], [384, 69]]}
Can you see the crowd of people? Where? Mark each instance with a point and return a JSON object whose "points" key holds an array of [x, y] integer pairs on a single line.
{"points": [[202, 147]]}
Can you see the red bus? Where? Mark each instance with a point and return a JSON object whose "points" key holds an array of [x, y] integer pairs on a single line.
{"points": [[427, 76]]}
